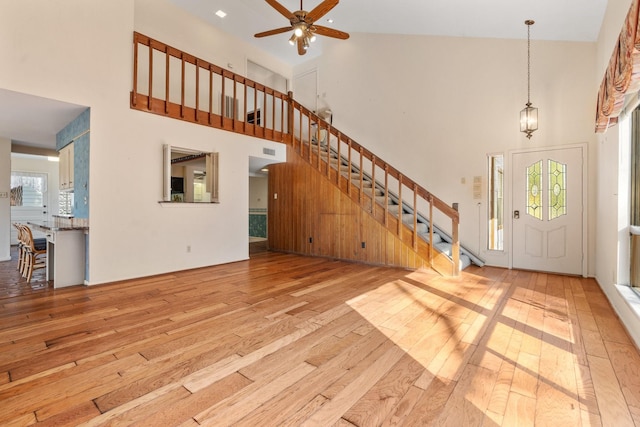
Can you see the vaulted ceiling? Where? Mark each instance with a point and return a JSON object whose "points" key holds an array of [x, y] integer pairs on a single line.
{"points": [[567, 20]]}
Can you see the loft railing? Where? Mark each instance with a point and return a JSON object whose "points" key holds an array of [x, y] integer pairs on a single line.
{"points": [[175, 84]]}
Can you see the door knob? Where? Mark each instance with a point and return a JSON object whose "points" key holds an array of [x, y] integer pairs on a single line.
{"points": [[516, 214]]}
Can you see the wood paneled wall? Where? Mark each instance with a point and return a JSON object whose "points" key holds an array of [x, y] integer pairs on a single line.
{"points": [[309, 215]]}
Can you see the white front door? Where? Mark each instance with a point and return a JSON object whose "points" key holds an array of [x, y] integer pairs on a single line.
{"points": [[547, 216]]}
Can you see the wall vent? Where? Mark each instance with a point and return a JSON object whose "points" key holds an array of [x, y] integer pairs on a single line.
{"points": [[269, 151]]}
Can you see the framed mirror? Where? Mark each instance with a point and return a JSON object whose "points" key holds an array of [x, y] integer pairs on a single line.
{"points": [[190, 176]]}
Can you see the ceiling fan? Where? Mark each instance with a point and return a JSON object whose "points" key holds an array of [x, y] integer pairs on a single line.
{"points": [[302, 23]]}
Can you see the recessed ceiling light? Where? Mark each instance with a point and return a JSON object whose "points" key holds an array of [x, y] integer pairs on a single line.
{"points": [[330, 21], [221, 14]]}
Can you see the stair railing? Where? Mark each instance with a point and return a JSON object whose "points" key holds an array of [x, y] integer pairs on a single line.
{"points": [[310, 132], [170, 82]]}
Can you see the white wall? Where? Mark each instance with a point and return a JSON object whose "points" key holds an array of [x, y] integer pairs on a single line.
{"points": [[610, 162], [131, 234], [434, 107], [5, 208]]}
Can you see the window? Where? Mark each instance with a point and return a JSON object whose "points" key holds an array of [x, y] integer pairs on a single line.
{"points": [[65, 201], [28, 189], [190, 176], [496, 202]]}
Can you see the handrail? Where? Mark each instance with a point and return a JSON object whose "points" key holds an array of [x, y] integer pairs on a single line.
{"points": [[173, 83], [338, 142]]}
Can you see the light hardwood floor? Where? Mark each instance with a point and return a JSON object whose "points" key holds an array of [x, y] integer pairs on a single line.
{"points": [[289, 340]]}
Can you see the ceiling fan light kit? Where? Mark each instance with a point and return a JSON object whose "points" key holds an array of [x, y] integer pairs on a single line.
{"points": [[302, 23]]}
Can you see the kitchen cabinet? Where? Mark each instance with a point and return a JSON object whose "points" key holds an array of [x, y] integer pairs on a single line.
{"points": [[66, 167]]}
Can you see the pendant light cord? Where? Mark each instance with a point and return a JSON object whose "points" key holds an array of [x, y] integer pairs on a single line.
{"points": [[528, 64], [529, 24]]}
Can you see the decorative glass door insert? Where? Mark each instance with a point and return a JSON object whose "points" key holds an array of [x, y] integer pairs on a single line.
{"points": [[557, 190]]}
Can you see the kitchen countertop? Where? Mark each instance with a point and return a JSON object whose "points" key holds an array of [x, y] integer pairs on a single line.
{"points": [[55, 226]]}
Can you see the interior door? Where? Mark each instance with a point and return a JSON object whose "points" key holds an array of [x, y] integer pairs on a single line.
{"points": [[29, 197], [547, 216]]}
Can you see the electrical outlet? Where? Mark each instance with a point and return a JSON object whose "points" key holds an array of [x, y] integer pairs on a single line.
{"points": [[4, 195], [364, 245], [310, 239]]}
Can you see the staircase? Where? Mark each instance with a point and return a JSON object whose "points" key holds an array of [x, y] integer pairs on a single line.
{"points": [[442, 241]]}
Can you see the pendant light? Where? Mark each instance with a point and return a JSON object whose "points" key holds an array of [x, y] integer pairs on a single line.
{"points": [[529, 115]]}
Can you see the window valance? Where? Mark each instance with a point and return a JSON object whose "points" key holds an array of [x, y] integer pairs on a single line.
{"points": [[622, 74]]}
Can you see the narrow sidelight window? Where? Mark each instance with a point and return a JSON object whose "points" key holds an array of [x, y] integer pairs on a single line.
{"points": [[496, 202]]}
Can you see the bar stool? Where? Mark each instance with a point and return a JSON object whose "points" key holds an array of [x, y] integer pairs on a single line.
{"points": [[21, 249], [35, 254]]}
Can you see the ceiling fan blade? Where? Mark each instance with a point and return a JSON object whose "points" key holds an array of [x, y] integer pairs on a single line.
{"points": [[272, 32], [330, 32], [321, 10], [301, 49], [280, 8]]}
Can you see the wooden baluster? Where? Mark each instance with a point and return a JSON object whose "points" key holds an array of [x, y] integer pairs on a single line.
{"points": [[182, 86], [134, 96], [167, 60], [290, 114], [361, 178], [339, 138], [233, 104], [320, 160], [263, 120], [386, 194], [197, 90], [223, 104], [245, 113], [255, 109], [309, 137], [328, 143], [415, 217], [210, 92], [300, 141], [400, 205], [349, 167], [373, 186], [430, 230], [149, 100]]}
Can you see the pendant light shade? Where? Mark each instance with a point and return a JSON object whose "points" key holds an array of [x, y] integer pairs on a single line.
{"points": [[529, 120], [529, 115]]}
